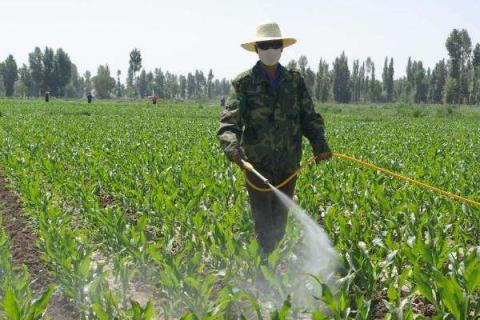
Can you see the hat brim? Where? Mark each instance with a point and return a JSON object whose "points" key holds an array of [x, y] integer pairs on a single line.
{"points": [[250, 46]]}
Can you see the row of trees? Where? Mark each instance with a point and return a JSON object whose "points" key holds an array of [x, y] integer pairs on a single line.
{"points": [[53, 71], [454, 81]]}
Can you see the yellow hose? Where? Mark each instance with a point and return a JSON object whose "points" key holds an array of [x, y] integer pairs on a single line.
{"points": [[374, 167]]}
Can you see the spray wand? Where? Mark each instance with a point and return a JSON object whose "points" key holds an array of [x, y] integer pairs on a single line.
{"points": [[248, 166]]}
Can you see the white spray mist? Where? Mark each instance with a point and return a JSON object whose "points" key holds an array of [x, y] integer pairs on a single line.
{"points": [[319, 256]]}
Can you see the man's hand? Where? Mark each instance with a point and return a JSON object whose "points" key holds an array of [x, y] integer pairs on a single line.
{"points": [[236, 155], [323, 156]]}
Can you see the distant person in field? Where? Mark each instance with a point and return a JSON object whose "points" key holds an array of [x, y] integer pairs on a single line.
{"points": [[47, 96], [222, 102], [153, 98], [89, 97], [266, 115]]}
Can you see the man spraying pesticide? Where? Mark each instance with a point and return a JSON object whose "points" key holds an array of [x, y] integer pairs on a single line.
{"points": [[266, 115]]}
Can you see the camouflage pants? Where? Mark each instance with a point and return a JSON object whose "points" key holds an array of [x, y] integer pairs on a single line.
{"points": [[269, 214]]}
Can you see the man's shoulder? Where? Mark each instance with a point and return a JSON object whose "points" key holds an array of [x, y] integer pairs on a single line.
{"points": [[293, 74], [244, 77]]}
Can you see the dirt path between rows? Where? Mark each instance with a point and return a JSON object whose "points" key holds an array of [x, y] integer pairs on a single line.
{"points": [[25, 251]]}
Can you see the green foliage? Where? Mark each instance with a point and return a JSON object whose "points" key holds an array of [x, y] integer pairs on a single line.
{"points": [[16, 301], [103, 82], [387, 77], [48, 71], [9, 72], [62, 72], [341, 79], [140, 215], [459, 46], [134, 65], [322, 82], [438, 82]]}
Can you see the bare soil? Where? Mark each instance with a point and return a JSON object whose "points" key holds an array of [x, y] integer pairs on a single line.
{"points": [[24, 251]]}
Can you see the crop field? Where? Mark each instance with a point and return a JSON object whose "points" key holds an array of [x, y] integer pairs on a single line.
{"points": [[133, 212]]}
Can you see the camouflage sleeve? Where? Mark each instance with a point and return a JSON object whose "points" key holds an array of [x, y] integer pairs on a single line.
{"points": [[231, 122], [312, 122]]}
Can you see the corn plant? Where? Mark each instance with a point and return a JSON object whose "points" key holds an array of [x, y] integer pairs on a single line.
{"points": [[127, 197]]}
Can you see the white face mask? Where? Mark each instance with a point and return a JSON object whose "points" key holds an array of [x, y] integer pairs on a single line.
{"points": [[270, 57]]}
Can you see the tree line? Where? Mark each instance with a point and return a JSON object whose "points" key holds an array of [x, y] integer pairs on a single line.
{"points": [[453, 81], [53, 71]]}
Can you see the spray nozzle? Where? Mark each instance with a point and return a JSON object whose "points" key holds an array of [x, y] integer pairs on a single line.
{"points": [[248, 166]]}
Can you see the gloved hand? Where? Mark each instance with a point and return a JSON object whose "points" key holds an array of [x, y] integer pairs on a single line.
{"points": [[323, 156], [236, 155]]}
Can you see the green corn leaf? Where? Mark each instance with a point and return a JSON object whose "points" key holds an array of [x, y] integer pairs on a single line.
{"points": [[149, 311], [472, 274], [99, 312], [392, 292], [319, 315], [84, 266], [41, 304], [10, 305], [451, 295]]}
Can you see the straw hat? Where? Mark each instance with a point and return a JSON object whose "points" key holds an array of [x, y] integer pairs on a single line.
{"points": [[266, 32]]}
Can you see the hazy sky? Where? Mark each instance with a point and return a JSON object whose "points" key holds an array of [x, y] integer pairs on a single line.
{"points": [[181, 35]]}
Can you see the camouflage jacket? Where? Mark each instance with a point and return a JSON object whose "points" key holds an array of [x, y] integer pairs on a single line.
{"points": [[267, 123]]}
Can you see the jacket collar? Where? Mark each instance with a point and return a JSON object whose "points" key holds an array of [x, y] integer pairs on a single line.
{"points": [[260, 77]]}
